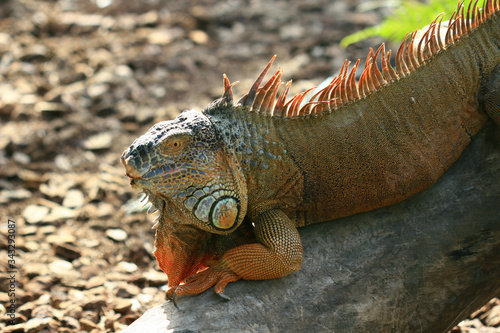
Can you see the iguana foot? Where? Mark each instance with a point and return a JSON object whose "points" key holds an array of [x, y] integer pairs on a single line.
{"points": [[203, 281]]}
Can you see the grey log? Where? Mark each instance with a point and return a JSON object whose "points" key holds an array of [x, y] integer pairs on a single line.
{"points": [[421, 265]]}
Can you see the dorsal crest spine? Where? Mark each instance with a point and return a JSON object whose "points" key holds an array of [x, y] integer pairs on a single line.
{"points": [[415, 51]]}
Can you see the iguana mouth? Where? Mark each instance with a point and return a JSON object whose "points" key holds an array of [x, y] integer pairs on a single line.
{"points": [[171, 169], [134, 173], [132, 177]]}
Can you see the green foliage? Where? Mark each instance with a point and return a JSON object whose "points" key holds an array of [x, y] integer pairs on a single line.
{"points": [[408, 16]]}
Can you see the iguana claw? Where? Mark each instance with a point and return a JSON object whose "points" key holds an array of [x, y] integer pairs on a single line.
{"points": [[223, 296], [174, 300]]}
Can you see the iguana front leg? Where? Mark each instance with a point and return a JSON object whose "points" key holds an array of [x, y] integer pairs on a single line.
{"points": [[277, 253]]}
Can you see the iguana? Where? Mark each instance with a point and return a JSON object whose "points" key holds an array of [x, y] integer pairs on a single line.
{"points": [[233, 182]]}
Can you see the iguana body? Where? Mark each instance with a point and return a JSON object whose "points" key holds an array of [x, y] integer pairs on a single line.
{"points": [[233, 182]]}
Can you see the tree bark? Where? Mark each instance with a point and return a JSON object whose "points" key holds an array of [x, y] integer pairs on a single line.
{"points": [[421, 265]]}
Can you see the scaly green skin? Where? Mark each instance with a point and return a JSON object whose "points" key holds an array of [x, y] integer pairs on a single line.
{"points": [[232, 184]]}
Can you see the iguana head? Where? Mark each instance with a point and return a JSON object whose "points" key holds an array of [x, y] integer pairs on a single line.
{"points": [[188, 173]]}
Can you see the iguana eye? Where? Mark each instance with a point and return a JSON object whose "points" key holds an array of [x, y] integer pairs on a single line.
{"points": [[173, 145]]}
